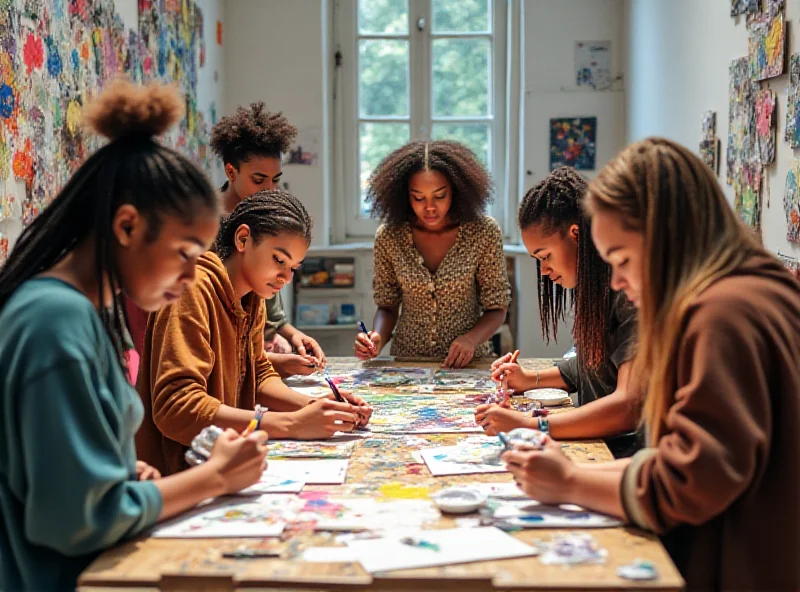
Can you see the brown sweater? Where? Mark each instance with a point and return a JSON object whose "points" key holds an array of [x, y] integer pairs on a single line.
{"points": [[205, 350], [723, 484]]}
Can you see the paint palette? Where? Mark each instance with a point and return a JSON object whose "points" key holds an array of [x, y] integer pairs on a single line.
{"points": [[459, 500], [548, 397], [532, 514]]}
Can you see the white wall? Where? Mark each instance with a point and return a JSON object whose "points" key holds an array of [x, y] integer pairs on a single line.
{"points": [[551, 30], [679, 52], [274, 53]]}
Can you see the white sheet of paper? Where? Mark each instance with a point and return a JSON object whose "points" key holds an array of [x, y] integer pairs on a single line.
{"points": [[329, 555], [444, 460], [260, 517], [502, 491], [312, 472], [274, 484], [456, 545], [533, 514]]}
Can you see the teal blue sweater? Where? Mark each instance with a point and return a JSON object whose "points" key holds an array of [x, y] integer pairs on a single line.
{"points": [[68, 416]]}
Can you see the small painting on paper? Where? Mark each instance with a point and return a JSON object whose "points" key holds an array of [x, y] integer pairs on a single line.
{"points": [[765, 125], [573, 143], [593, 64], [478, 455], [792, 131], [766, 45], [532, 514], [791, 202]]}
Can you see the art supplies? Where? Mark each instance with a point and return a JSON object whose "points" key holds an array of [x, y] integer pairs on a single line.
{"points": [[571, 549], [459, 500]]}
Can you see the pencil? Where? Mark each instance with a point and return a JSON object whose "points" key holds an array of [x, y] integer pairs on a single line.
{"points": [[514, 356]]}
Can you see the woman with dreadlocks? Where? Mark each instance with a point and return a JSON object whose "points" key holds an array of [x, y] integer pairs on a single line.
{"points": [[436, 254], [204, 361], [571, 273], [132, 220]]}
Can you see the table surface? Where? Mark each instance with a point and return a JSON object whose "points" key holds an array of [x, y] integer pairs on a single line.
{"points": [[382, 466]]}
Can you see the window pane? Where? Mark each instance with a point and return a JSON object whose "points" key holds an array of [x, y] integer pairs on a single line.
{"points": [[463, 16], [474, 135], [375, 141], [382, 16], [383, 77], [461, 77]]}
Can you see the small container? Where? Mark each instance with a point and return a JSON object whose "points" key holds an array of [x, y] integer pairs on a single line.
{"points": [[459, 500]]}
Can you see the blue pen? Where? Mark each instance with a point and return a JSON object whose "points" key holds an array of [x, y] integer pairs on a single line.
{"points": [[365, 332]]}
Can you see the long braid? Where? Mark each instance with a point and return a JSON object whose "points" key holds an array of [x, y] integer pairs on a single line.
{"points": [[131, 169], [387, 190], [555, 204], [267, 213]]}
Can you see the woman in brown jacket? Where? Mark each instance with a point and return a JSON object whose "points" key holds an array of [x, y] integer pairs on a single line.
{"points": [[204, 361], [719, 357]]}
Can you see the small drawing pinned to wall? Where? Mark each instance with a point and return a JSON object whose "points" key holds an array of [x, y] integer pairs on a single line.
{"points": [[573, 143], [593, 64]]}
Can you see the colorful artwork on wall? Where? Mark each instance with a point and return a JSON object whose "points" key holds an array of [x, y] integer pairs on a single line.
{"points": [[57, 55], [791, 202], [573, 142], [766, 45]]}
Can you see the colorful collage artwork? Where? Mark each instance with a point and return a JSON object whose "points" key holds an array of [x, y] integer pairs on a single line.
{"points": [[709, 142], [573, 143], [767, 45], [792, 131], [765, 125], [58, 54], [745, 171], [791, 202]]}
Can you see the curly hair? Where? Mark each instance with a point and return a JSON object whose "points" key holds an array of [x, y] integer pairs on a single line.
{"points": [[251, 132], [267, 213], [469, 179], [555, 204]]}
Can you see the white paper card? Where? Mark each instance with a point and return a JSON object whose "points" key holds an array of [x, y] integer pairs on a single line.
{"points": [[456, 545]]}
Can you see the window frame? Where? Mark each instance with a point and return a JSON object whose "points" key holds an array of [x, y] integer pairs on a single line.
{"points": [[349, 224]]}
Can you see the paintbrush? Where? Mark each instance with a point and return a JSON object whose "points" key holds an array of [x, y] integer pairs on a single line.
{"points": [[256, 421]]}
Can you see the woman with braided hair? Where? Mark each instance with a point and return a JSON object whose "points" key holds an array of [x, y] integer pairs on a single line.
{"points": [[437, 254], [571, 273], [204, 361], [132, 220]]}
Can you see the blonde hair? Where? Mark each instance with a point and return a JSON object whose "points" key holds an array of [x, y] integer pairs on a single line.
{"points": [[692, 238]]}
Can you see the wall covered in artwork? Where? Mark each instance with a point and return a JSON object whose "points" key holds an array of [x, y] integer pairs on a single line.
{"points": [[57, 54], [687, 58]]}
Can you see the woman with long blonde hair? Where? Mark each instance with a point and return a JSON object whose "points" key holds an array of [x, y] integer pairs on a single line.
{"points": [[719, 359]]}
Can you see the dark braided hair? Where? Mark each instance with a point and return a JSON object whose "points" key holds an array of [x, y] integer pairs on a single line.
{"points": [[251, 132], [555, 204], [266, 213], [388, 184], [131, 169]]}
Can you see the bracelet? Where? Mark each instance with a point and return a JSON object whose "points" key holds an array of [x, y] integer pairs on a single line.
{"points": [[544, 425], [260, 411]]}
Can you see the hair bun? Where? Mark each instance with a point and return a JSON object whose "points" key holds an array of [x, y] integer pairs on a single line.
{"points": [[128, 109]]}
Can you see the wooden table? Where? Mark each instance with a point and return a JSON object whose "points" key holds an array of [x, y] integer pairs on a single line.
{"points": [[381, 466]]}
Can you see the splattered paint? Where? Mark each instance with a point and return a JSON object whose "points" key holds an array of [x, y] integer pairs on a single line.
{"points": [[300, 449], [745, 170], [743, 7], [766, 45], [791, 202], [423, 413], [765, 125], [792, 131], [56, 55]]}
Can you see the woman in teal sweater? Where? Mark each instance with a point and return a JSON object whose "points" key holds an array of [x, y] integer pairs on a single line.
{"points": [[132, 220]]}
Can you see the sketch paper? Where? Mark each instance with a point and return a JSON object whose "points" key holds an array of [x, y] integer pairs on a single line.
{"points": [[532, 514], [593, 64], [465, 458], [456, 545], [311, 472]]}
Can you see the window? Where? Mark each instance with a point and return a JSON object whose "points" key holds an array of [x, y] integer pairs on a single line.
{"points": [[415, 69]]}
